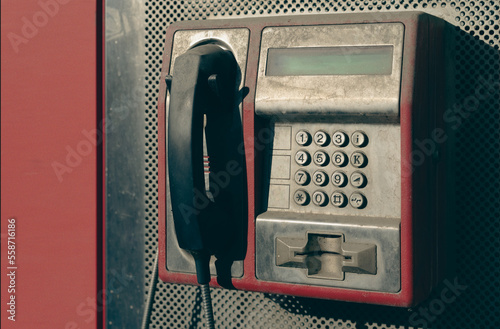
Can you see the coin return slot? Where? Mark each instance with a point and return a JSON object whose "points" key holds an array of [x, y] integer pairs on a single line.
{"points": [[326, 256]]}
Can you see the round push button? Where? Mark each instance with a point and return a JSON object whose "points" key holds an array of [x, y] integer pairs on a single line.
{"points": [[302, 177], [338, 199], [320, 178], [321, 138], [301, 197], [302, 158], [358, 160], [339, 159], [320, 158], [357, 200], [303, 138], [358, 179], [359, 139], [339, 179], [339, 138], [320, 198]]}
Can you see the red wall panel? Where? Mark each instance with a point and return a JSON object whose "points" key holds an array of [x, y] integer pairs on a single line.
{"points": [[49, 165]]}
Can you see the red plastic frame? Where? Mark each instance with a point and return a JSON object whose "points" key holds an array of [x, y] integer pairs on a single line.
{"points": [[418, 259]]}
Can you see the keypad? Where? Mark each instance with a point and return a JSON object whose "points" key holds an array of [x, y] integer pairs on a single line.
{"points": [[326, 158]]}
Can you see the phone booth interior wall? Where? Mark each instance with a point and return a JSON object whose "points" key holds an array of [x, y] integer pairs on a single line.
{"points": [[459, 300]]}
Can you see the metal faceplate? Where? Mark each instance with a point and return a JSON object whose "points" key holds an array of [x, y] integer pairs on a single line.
{"points": [[335, 196], [323, 95], [179, 260]]}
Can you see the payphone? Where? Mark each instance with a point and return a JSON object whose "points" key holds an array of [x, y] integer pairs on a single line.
{"points": [[290, 150]]}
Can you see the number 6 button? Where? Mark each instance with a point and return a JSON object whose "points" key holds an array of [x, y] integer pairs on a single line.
{"points": [[339, 159]]}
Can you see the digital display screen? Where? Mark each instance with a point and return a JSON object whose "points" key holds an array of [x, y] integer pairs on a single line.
{"points": [[351, 60]]}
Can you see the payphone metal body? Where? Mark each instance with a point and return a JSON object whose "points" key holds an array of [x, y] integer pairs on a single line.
{"points": [[376, 241]]}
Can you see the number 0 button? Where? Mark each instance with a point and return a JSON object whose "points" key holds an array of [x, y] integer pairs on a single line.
{"points": [[302, 158], [320, 178], [320, 198], [302, 177], [303, 138]]}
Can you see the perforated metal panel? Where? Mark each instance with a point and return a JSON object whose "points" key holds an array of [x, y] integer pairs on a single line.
{"points": [[467, 299]]}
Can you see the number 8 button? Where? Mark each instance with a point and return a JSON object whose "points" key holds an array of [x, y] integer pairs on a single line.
{"points": [[320, 178]]}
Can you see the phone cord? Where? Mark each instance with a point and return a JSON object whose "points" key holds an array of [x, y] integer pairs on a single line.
{"points": [[207, 306]]}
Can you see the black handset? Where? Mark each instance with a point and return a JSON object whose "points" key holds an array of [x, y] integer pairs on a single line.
{"points": [[203, 84]]}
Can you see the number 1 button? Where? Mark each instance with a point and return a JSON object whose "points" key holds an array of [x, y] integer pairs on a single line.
{"points": [[303, 138]]}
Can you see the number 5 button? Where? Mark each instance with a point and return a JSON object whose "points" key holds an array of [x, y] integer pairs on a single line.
{"points": [[320, 158]]}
